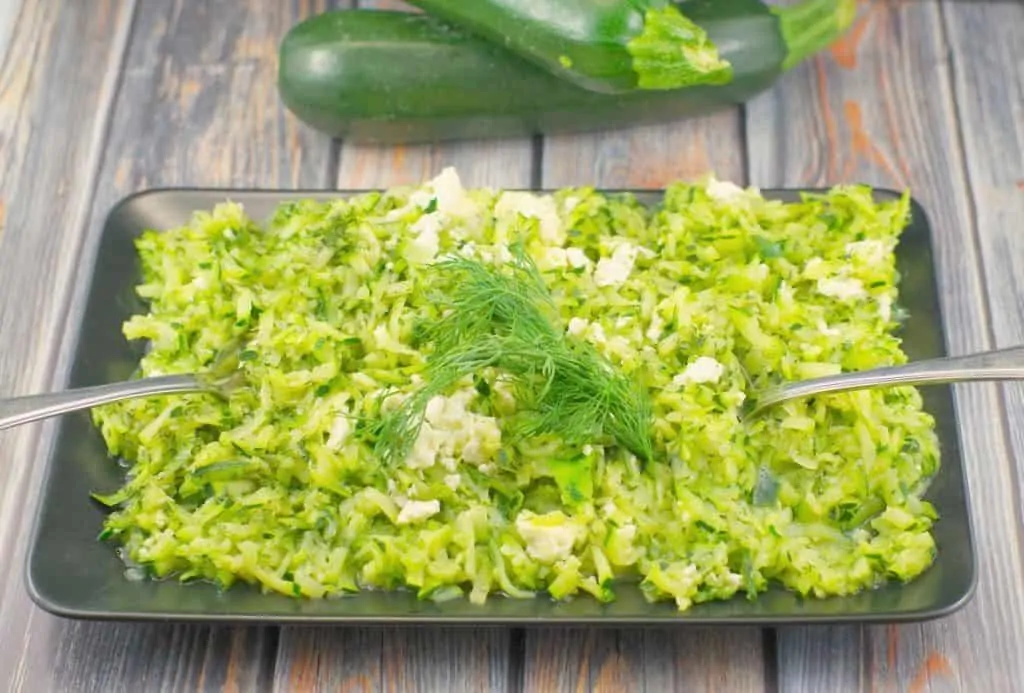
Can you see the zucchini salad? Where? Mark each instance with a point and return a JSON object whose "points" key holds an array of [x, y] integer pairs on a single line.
{"points": [[471, 393]]}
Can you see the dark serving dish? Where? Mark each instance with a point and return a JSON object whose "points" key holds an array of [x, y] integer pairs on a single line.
{"points": [[72, 574]]}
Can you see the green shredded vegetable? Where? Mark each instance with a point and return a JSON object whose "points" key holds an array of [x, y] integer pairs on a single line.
{"points": [[331, 312]]}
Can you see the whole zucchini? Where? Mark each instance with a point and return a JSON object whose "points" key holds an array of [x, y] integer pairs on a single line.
{"points": [[393, 77], [610, 46]]}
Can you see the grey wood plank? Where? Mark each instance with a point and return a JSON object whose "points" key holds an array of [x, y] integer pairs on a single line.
{"points": [[643, 660], [395, 659], [50, 141], [691, 660], [196, 105], [649, 156], [455, 660], [9, 10], [879, 109], [988, 84]]}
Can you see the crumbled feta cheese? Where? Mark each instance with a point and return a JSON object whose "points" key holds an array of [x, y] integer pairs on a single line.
{"points": [[577, 327], [553, 258], [425, 449], [429, 224], [704, 370], [549, 537], [539, 207], [570, 203], [597, 334], [452, 481], [339, 432], [723, 191], [840, 287], [451, 432], [417, 511], [885, 307], [872, 251], [421, 198], [614, 270], [577, 258], [427, 243], [655, 328], [451, 196]]}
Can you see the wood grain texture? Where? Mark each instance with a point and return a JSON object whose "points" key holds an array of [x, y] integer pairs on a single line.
{"points": [[879, 109], [50, 140], [195, 104], [649, 156], [368, 660], [988, 71], [642, 660]]}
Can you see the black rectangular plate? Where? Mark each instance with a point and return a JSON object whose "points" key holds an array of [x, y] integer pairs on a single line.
{"points": [[71, 574]]}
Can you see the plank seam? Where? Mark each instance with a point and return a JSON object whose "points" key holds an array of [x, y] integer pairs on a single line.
{"points": [[333, 166], [744, 142], [271, 652], [770, 652], [537, 162], [516, 672]]}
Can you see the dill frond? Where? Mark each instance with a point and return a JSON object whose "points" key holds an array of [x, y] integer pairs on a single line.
{"points": [[507, 321]]}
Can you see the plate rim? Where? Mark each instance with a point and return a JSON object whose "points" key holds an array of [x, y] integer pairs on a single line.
{"points": [[85, 282]]}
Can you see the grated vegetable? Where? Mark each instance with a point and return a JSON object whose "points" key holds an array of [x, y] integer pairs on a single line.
{"points": [[698, 302]]}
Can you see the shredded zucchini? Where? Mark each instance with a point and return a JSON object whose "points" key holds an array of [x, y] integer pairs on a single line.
{"points": [[697, 303]]}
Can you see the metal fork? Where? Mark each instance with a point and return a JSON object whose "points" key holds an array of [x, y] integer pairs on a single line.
{"points": [[1001, 364], [21, 410]]}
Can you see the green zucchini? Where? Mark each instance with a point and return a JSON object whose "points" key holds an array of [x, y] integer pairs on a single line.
{"points": [[610, 46], [387, 77]]}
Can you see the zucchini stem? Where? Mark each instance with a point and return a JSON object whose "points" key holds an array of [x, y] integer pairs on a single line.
{"points": [[812, 25]]}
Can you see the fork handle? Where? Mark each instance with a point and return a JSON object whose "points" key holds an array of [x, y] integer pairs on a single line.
{"points": [[15, 411], [1000, 364]]}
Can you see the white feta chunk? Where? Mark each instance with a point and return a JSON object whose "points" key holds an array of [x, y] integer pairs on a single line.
{"points": [[417, 511], [872, 251], [843, 288], [452, 198], [577, 327], [703, 370], [549, 537], [723, 191], [340, 430], [577, 258], [614, 270], [539, 207]]}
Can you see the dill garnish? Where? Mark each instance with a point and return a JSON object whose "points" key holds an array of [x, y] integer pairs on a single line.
{"points": [[507, 321]]}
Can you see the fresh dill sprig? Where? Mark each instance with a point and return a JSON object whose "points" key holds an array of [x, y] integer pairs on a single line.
{"points": [[507, 321]]}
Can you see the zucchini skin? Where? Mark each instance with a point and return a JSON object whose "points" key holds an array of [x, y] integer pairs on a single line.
{"points": [[388, 77], [581, 41]]}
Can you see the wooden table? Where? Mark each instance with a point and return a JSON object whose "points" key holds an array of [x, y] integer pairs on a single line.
{"points": [[99, 98]]}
